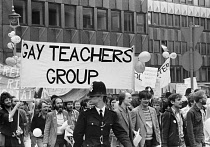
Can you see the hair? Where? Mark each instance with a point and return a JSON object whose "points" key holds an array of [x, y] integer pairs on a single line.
{"points": [[149, 89], [53, 102], [173, 97], [145, 94], [157, 101], [54, 97], [4, 96], [121, 97], [190, 99], [196, 90], [39, 106], [198, 95]]}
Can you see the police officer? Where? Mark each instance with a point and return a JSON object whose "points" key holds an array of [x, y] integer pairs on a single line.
{"points": [[95, 124]]}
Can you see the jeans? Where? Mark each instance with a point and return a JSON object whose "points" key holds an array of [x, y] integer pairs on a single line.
{"points": [[36, 141]]}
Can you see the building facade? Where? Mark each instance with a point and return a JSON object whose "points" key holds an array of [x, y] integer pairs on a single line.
{"points": [[144, 23]]}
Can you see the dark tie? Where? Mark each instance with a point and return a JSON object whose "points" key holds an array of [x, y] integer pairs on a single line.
{"points": [[101, 113]]}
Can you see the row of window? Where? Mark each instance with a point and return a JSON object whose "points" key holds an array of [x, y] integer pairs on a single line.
{"points": [[171, 20], [178, 74], [203, 3], [55, 15], [178, 47]]}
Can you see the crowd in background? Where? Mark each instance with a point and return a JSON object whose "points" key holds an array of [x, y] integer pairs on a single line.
{"points": [[170, 120]]}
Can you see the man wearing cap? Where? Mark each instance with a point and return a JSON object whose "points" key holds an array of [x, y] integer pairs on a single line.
{"points": [[9, 122], [95, 124]]}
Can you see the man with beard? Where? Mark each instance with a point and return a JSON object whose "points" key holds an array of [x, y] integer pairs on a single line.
{"points": [[145, 118], [9, 120], [173, 124], [124, 114], [53, 132], [38, 121], [72, 119], [195, 120], [95, 124]]}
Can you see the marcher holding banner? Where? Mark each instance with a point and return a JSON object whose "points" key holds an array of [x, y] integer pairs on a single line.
{"points": [[9, 122], [95, 124]]}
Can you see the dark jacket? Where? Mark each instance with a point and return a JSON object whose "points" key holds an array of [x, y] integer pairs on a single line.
{"points": [[195, 126], [96, 134], [170, 130], [7, 128]]}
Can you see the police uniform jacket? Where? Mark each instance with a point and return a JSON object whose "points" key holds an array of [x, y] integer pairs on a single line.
{"points": [[96, 129]]}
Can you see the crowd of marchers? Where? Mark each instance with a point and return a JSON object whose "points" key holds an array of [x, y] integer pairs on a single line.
{"points": [[105, 120]]}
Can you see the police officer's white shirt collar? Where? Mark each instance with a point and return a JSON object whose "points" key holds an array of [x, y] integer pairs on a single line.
{"points": [[103, 110]]}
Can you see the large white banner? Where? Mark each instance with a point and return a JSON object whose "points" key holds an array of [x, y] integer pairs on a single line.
{"points": [[65, 65], [164, 74]]}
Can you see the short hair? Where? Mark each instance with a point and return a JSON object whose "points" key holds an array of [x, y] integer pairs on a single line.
{"points": [[111, 99], [196, 90], [145, 94], [121, 97], [39, 106], [53, 102], [198, 95], [172, 97], [53, 97], [157, 101]]}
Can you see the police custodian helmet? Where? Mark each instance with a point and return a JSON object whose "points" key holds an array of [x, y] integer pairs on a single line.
{"points": [[98, 88]]}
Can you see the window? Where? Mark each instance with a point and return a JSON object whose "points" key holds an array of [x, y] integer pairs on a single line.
{"points": [[184, 21], [128, 22], [177, 47], [140, 23], [195, 2], [178, 74], [170, 20], [190, 2], [37, 13], [149, 18], [196, 21], [150, 46], [170, 46], [155, 19], [203, 48], [54, 14], [21, 8], [203, 74], [163, 19], [190, 20], [208, 74], [208, 23], [156, 46], [185, 74], [88, 18], [203, 23], [172, 74], [201, 2], [183, 1], [102, 19], [177, 20], [115, 20], [70, 16], [176, 1], [184, 47], [208, 49]]}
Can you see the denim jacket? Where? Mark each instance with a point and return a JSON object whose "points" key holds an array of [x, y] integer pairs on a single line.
{"points": [[195, 126]]}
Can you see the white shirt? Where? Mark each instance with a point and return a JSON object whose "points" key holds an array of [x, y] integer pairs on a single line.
{"points": [[103, 110], [60, 121]]}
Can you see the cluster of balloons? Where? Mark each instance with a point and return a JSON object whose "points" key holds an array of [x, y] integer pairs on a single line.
{"points": [[142, 58], [167, 55], [14, 61], [14, 39]]}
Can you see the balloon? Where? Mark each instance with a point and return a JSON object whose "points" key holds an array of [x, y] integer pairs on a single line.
{"points": [[165, 54], [10, 61], [11, 34], [140, 67], [173, 55], [144, 56], [16, 39], [19, 60], [10, 45], [37, 132], [15, 57]]}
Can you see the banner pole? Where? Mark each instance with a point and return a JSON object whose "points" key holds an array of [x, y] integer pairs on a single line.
{"points": [[133, 72]]}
